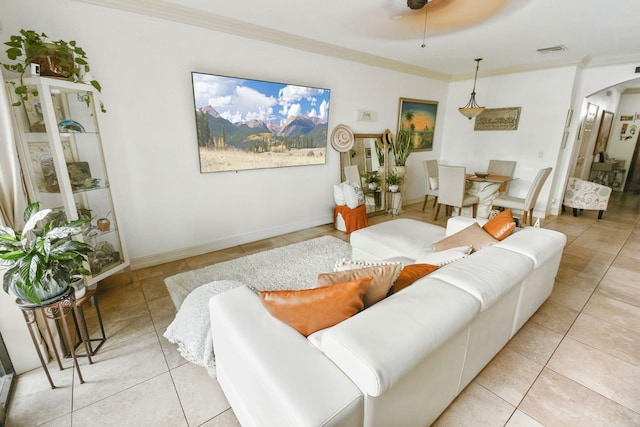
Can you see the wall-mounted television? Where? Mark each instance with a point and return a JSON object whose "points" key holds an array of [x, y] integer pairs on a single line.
{"points": [[253, 124]]}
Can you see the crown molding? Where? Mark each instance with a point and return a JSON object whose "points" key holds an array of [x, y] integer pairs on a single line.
{"points": [[171, 12]]}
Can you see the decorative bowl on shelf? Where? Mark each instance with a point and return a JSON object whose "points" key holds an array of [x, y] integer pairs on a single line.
{"points": [[481, 174]]}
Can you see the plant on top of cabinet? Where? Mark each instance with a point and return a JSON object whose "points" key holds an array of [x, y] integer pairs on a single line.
{"points": [[55, 58]]}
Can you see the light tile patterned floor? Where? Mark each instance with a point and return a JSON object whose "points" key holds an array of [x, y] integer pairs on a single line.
{"points": [[575, 362]]}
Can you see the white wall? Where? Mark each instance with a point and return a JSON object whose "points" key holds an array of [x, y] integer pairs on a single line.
{"points": [[167, 208], [545, 97]]}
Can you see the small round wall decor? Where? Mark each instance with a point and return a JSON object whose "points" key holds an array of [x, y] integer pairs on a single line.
{"points": [[342, 138]]}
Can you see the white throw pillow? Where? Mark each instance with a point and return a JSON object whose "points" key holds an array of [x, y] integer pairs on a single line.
{"points": [[444, 257], [434, 183], [353, 195], [338, 194]]}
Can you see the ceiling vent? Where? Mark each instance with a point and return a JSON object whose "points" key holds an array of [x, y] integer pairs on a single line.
{"points": [[558, 48]]}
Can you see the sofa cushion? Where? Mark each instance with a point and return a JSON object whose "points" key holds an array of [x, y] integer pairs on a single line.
{"points": [[383, 277], [410, 273], [440, 258], [501, 226], [309, 310], [539, 244], [472, 235], [400, 237], [487, 274], [378, 347]]}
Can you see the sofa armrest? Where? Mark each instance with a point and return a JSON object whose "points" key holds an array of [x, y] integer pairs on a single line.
{"points": [[457, 223], [271, 374]]}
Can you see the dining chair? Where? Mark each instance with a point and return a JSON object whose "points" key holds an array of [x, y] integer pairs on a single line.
{"points": [[504, 168], [431, 181], [452, 184], [527, 203], [352, 174]]}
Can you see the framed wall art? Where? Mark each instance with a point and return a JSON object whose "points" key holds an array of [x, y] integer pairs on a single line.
{"points": [[602, 138], [253, 124], [418, 117], [498, 119]]}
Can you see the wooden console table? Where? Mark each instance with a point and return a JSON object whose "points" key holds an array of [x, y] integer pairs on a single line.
{"points": [[605, 170]]}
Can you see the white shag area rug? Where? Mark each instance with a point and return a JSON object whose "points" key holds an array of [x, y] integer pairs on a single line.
{"points": [[294, 266]]}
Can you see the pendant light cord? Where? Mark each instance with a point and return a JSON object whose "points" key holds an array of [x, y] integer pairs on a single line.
{"points": [[476, 77], [424, 32]]}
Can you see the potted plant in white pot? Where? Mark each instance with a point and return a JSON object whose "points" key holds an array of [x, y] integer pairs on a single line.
{"points": [[57, 58], [371, 178], [42, 259], [394, 180]]}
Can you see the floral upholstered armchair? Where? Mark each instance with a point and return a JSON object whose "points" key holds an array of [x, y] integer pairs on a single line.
{"points": [[588, 195]]}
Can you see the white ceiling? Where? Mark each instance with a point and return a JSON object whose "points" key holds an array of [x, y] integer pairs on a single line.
{"points": [[387, 32]]}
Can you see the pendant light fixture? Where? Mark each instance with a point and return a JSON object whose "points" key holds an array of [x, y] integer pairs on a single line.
{"points": [[472, 108]]}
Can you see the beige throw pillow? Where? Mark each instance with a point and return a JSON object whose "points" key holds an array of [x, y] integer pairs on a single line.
{"points": [[473, 235], [383, 278]]}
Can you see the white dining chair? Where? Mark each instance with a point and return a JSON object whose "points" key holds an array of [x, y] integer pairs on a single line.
{"points": [[503, 168], [452, 190], [431, 181], [352, 174], [527, 203]]}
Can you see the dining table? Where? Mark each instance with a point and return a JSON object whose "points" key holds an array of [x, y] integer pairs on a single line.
{"points": [[488, 178], [485, 187]]}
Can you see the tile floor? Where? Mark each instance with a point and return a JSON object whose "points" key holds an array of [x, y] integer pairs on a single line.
{"points": [[576, 362]]}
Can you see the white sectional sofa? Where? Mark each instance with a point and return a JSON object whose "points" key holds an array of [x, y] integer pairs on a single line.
{"points": [[400, 362]]}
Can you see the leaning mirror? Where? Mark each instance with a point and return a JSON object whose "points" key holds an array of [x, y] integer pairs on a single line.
{"points": [[366, 165]]}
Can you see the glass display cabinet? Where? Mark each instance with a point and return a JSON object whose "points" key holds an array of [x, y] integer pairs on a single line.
{"points": [[60, 149]]}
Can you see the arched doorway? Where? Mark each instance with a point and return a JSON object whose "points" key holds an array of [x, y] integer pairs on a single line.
{"points": [[623, 101]]}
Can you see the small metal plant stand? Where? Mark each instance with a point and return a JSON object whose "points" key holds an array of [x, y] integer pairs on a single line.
{"points": [[56, 309]]}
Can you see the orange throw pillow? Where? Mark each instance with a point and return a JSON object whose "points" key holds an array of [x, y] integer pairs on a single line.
{"points": [[410, 273], [309, 310], [500, 226]]}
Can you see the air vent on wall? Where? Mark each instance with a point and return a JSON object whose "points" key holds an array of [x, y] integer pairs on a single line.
{"points": [[557, 48]]}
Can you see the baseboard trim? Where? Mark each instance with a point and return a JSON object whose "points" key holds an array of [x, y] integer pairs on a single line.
{"points": [[228, 242]]}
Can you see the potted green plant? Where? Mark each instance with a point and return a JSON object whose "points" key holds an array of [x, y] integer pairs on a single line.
{"points": [[57, 58], [371, 178], [42, 259], [401, 147], [393, 180]]}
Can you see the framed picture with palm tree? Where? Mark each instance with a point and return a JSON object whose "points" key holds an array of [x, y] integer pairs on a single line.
{"points": [[417, 121]]}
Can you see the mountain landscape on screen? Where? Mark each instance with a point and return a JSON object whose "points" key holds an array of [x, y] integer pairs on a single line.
{"points": [[256, 136]]}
